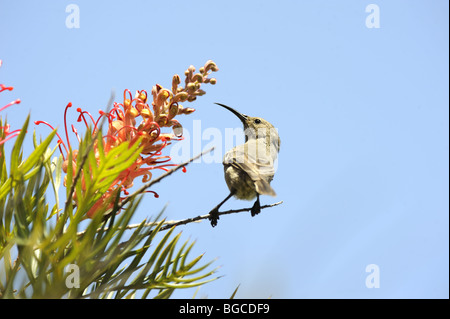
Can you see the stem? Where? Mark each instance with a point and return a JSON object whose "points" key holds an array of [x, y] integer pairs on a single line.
{"points": [[196, 219]]}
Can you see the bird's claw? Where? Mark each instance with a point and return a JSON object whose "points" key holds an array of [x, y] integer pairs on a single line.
{"points": [[256, 209], [214, 217]]}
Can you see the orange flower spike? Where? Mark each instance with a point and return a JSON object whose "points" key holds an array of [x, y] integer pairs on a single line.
{"points": [[122, 127]]}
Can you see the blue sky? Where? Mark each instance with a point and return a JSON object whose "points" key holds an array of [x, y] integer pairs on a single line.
{"points": [[362, 114]]}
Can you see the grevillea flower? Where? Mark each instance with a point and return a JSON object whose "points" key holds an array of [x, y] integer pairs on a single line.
{"points": [[136, 121], [5, 131]]}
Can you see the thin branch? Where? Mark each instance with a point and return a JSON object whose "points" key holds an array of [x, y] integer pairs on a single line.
{"points": [[197, 219], [171, 224]]}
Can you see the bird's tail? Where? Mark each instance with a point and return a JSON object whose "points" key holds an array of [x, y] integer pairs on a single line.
{"points": [[263, 187]]}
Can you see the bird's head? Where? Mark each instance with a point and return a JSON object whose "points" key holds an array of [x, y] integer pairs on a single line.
{"points": [[256, 127]]}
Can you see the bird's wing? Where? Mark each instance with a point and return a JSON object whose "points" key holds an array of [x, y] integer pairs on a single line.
{"points": [[252, 159]]}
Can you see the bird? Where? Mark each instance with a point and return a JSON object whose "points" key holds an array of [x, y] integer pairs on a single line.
{"points": [[249, 167]]}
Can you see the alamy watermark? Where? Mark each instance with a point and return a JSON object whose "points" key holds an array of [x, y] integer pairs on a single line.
{"points": [[73, 17], [223, 141], [373, 278], [373, 19], [73, 276]]}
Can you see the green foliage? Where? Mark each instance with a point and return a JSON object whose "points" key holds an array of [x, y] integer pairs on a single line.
{"points": [[39, 243]]}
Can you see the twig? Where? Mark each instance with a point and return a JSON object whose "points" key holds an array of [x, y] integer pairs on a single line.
{"points": [[197, 219], [171, 224]]}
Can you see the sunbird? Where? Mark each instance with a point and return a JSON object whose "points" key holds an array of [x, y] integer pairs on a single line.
{"points": [[249, 168]]}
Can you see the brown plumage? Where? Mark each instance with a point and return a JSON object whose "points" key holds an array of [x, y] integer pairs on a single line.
{"points": [[249, 168]]}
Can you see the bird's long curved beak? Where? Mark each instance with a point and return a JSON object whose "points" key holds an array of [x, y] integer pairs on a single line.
{"points": [[241, 116]]}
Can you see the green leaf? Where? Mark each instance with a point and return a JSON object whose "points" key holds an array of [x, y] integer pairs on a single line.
{"points": [[154, 255], [117, 160], [36, 154], [166, 252], [15, 153], [235, 291]]}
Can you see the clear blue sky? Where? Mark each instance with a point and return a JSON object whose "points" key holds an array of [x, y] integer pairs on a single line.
{"points": [[362, 114]]}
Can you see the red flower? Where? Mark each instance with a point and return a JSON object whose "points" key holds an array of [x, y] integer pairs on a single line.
{"points": [[5, 132], [135, 121]]}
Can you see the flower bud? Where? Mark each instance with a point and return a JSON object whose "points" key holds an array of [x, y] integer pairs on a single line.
{"points": [[175, 81], [132, 112], [197, 78], [188, 110], [162, 120], [154, 134], [210, 65], [191, 87], [115, 126], [146, 114], [181, 97], [146, 177], [139, 106], [166, 137], [141, 95], [200, 92], [173, 110], [162, 96]]}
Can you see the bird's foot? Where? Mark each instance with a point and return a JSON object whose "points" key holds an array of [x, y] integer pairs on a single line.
{"points": [[256, 209], [214, 216]]}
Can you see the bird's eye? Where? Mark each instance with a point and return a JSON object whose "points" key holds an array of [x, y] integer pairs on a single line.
{"points": [[257, 121]]}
